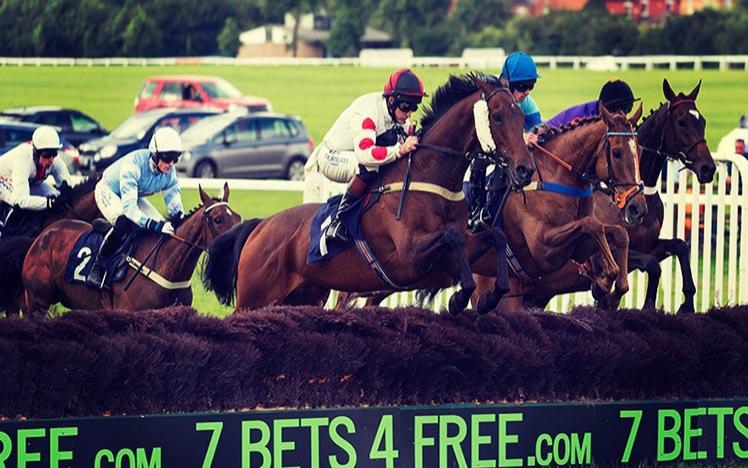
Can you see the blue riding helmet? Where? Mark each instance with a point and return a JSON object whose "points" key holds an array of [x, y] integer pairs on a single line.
{"points": [[519, 66]]}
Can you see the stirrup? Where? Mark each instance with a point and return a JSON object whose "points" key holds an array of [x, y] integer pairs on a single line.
{"points": [[97, 283], [336, 231], [480, 221]]}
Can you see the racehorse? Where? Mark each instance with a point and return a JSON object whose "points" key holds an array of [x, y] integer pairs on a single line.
{"points": [[161, 266], [548, 228], [22, 226], [674, 131], [267, 261]]}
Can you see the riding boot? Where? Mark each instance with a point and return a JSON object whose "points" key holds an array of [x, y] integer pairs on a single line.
{"points": [[356, 188], [478, 214], [97, 276]]}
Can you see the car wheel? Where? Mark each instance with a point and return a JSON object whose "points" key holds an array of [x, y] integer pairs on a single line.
{"points": [[295, 169], [205, 170]]}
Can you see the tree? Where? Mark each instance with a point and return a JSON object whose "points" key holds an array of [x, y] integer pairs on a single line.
{"points": [[142, 37], [228, 39], [347, 29]]}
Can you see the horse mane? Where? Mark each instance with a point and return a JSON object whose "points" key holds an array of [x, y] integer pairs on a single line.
{"points": [[454, 90], [87, 186], [681, 96], [176, 222], [550, 133]]}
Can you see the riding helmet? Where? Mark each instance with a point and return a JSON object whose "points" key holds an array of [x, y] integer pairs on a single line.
{"points": [[519, 66], [45, 138], [616, 95], [405, 86]]}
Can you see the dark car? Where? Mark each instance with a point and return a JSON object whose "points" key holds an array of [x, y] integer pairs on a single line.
{"points": [[263, 144], [75, 126], [13, 133], [135, 133]]}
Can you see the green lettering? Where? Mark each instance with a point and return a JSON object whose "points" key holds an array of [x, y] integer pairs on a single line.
{"points": [[148, 461], [582, 453], [739, 452], [7, 446], [691, 432], [215, 428], [125, 452], [540, 458], [506, 439], [279, 446], [338, 440], [671, 433], [476, 440], [720, 412], [636, 415], [261, 446], [102, 454], [422, 441], [314, 424], [559, 441], [55, 454], [445, 440], [24, 456], [385, 434]]}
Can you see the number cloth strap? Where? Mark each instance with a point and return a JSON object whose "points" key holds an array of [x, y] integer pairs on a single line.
{"points": [[155, 277]]}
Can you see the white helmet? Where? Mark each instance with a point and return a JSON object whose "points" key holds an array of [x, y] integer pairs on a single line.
{"points": [[45, 138], [165, 140]]}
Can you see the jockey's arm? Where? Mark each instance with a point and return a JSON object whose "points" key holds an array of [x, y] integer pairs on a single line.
{"points": [[364, 130], [60, 172], [173, 197], [128, 186], [21, 195]]}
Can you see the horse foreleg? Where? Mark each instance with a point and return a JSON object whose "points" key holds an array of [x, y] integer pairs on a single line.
{"points": [[488, 300], [619, 238], [429, 249], [650, 265], [664, 248]]}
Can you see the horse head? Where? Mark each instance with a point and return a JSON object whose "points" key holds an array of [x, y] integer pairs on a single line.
{"points": [[617, 165], [209, 220], [683, 134]]}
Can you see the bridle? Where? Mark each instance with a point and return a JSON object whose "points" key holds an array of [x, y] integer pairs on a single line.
{"points": [[681, 156], [206, 222]]}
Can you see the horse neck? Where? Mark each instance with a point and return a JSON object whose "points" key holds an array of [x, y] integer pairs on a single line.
{"points": [[578, 147], [651, 136], [183, 257]]}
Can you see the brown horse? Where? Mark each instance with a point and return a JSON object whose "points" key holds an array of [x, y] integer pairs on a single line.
{"points": [[674, 131], [425, 248], [74, 202], [164, 279], [546, 229]]}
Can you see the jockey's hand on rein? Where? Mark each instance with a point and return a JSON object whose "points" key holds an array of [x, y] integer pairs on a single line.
{"points": [[51, 200]]}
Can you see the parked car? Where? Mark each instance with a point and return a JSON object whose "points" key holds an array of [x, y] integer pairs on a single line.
{"points": [[135, 133], [195, 91], [265, 144], [13, 133], [75, 126]]}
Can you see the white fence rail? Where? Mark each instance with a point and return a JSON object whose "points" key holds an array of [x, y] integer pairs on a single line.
{"points": [[471, 58], [719, 251]]}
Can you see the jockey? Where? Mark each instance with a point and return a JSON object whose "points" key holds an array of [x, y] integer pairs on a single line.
{"points": [[121, 192], [373, 131], [24, 169], [615, 95], [519, 74]]}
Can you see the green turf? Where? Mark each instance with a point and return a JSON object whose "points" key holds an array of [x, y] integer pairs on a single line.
{"points": [[318, 94]]}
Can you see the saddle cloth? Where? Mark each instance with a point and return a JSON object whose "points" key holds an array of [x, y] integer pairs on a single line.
{"points": [[81, 258], [321, 248]]}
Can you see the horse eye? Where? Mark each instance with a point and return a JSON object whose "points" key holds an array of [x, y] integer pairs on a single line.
{"points": [[681, 123], [218, 220], [496, 117], [617, 153]]}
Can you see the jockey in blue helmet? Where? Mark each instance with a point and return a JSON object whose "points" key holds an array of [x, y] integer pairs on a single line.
{"points": [[519, 74]]}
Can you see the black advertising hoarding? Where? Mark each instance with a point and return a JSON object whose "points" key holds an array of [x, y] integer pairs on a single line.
{"points": [[475, 436]]}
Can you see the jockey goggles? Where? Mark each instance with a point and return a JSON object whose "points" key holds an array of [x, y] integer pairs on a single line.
{"points": [[47, 153], [407, 106], [522, 86], [170, 156]]}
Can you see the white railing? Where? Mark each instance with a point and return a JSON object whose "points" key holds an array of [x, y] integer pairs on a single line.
{"points": [[378, 57], [719, 256]]}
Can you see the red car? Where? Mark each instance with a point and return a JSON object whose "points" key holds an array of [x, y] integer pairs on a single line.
{"points": [[195, 91]]}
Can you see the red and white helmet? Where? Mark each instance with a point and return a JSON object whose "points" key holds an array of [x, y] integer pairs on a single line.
{"points": [[405, 86]]}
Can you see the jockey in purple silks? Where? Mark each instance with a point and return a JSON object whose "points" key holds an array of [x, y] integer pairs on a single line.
{"points": [[615, 95]]}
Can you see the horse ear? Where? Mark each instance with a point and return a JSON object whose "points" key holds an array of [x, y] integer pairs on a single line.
{"points": [[637, 115], [482, 85], [669, 93], [605, 114], [204, 197], [695, 92], [225, 192]]}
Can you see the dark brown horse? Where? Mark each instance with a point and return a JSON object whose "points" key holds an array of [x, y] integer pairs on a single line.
{"points": [[674, 131], [163, 281], [547, 229], [267, 262], [24, 225]]}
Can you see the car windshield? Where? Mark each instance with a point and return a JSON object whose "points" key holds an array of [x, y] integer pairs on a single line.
{"points": [[221, 89], [135, 125], [206, 128]]}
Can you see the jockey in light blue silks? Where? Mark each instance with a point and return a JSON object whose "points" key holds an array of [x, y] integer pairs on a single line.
{"points": [[121, 192], [519, 74]]}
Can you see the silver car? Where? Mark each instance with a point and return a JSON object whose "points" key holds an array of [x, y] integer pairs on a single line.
{"points": [[256, 145]]}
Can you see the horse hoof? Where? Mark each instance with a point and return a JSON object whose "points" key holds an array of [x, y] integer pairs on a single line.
{"points": [[686, 309], [485, 304], [598, 293], [456, 304]]}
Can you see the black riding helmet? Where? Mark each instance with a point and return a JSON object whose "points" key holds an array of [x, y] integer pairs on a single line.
{"points": [[616, 95]]}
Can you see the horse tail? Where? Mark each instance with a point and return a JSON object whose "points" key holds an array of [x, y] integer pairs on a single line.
{"points": [[220, 271], [12, 252]]}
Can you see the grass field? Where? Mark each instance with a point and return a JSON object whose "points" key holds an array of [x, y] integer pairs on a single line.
{"points": [[318, 94]]}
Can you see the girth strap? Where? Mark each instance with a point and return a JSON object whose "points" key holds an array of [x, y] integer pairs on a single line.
{"points": [[562, 189], [155, 277], [425, 187]]}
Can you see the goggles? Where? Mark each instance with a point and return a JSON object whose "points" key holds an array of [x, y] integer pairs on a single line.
{"points": [[522, 86], [171, 157], [47, 153], [407, 106]]}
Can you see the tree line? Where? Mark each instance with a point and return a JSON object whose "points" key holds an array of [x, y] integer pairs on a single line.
{"points": [[153, 28]]}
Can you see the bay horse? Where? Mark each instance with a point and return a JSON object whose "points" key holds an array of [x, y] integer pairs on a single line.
{"points": [[547, 229], [266, 263], [674, 131], [75, 202], [164, 280]]}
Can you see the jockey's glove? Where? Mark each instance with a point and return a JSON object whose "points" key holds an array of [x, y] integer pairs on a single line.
{"points": [[51, 200], [167, 229]]}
